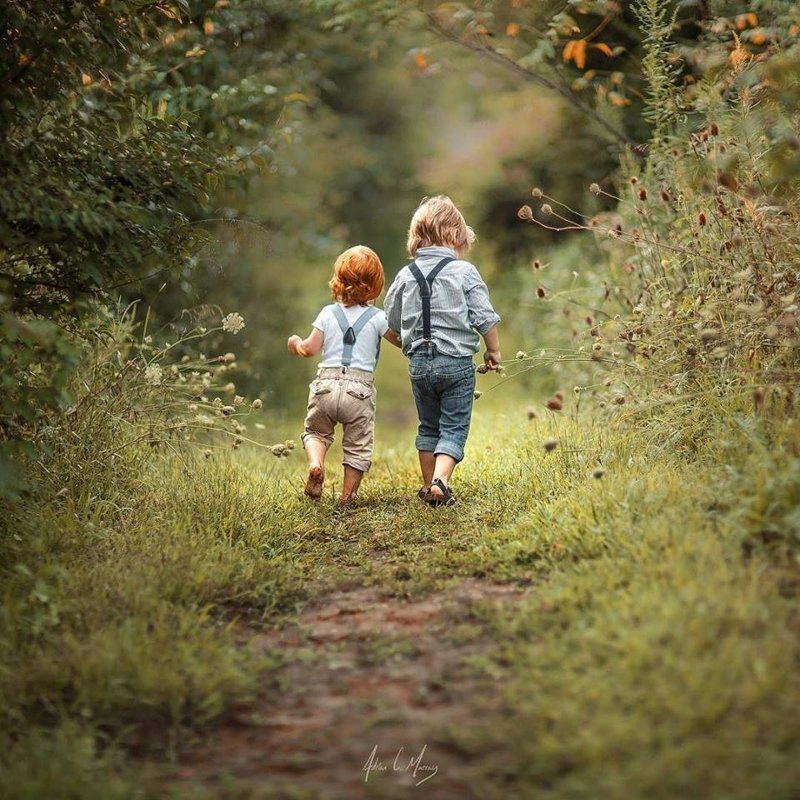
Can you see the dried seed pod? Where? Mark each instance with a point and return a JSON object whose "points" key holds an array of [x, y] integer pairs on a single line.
{"points": [[555, 403]]}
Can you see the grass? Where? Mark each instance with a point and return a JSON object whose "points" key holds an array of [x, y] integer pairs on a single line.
{"points": [[656, 652]]}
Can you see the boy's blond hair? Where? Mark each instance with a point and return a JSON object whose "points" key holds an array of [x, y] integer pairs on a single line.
{"points": [[437, 221]]}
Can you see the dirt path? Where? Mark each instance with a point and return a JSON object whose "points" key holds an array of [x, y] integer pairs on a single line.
{"points": [[370, 680]]}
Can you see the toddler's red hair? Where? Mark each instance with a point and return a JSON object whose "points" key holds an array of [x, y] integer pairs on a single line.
{"points": [[357, 276]]}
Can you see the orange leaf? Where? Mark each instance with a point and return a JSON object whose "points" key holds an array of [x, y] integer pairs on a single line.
{"points": [[208, 27], [566, 54], [743, 20], [512, 29], [580, 53], [420, 59], [758, 37], [603, 48]]}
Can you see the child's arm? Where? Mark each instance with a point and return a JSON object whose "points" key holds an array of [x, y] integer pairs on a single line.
{"points": [[492, 356], [306, 347], [392, 338]]}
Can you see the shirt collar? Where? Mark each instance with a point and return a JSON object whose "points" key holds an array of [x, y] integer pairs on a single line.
{"points": [[436, 251]]}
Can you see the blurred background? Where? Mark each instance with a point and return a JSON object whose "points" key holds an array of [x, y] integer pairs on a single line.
{"points": [[375, 118]]}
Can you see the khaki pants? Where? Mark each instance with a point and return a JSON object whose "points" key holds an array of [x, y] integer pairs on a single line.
{"points": [[345, 395]]}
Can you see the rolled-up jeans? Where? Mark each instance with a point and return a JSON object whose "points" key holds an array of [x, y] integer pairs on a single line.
{"points": [[443, 388]]}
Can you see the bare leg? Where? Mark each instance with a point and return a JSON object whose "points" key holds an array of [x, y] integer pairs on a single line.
{"points": [[443, 470], [427, 463], [352, 480], [315, 450]]}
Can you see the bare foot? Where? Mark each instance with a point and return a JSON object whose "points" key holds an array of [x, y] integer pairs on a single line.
{"points": [[315, 481]]}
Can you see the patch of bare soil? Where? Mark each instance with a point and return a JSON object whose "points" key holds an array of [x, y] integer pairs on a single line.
{"points": [[363, 707]]}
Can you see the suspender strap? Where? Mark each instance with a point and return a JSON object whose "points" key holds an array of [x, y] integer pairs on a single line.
{"points": [[350, 332], [426, 290]]}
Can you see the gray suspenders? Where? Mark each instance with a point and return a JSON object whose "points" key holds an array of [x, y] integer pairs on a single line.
{"points": [[426, 290], [351, 332]]}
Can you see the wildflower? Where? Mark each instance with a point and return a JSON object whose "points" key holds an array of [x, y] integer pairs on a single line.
{"points": [[192, 406], [185, 359], [594, 188], [238, 400], [482, 369], [227, 410], [665, 196], [531, 413], [701, 219], [233, 322], [256, 404], [521, 354], [207, 453], [546, 209], [597, 347], [290, 444], [537, 264], [153, 374], [713, 129], [633, 180], [217, 402], [555, 403], [148, 339], [619, 399], [643, 193], [537, 193], [278, 450], [525, 212], [598, 473], [477, 395], [540, 292], [500, 369], [229, 387], [550, 444]]}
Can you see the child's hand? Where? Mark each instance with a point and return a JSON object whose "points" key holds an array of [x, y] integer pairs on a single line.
{"points": [[295, 345], [492, 358]]}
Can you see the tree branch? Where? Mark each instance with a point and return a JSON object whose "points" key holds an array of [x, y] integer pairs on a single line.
{"points": [[534, 77]]}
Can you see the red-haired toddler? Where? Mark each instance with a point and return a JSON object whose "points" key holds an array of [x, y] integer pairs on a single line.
{"points": [[348, 333]]}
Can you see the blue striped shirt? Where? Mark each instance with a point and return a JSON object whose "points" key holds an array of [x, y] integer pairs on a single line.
{"points": [[460, 305]]}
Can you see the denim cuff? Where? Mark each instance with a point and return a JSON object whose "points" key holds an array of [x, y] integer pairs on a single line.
{"points": [[426, 443], [452, 449]]}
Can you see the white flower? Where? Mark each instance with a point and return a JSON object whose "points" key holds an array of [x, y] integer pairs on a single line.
{"points": [[238, 400], [148, 339], [256, 404], [153, 374], [233, 322]]}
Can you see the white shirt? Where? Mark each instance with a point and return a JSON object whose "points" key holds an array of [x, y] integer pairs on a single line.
{"points": [[365, 350]]}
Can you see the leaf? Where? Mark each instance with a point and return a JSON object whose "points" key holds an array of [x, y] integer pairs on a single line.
{"points": [[512, 29], [603, 48], [743, 20]]}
